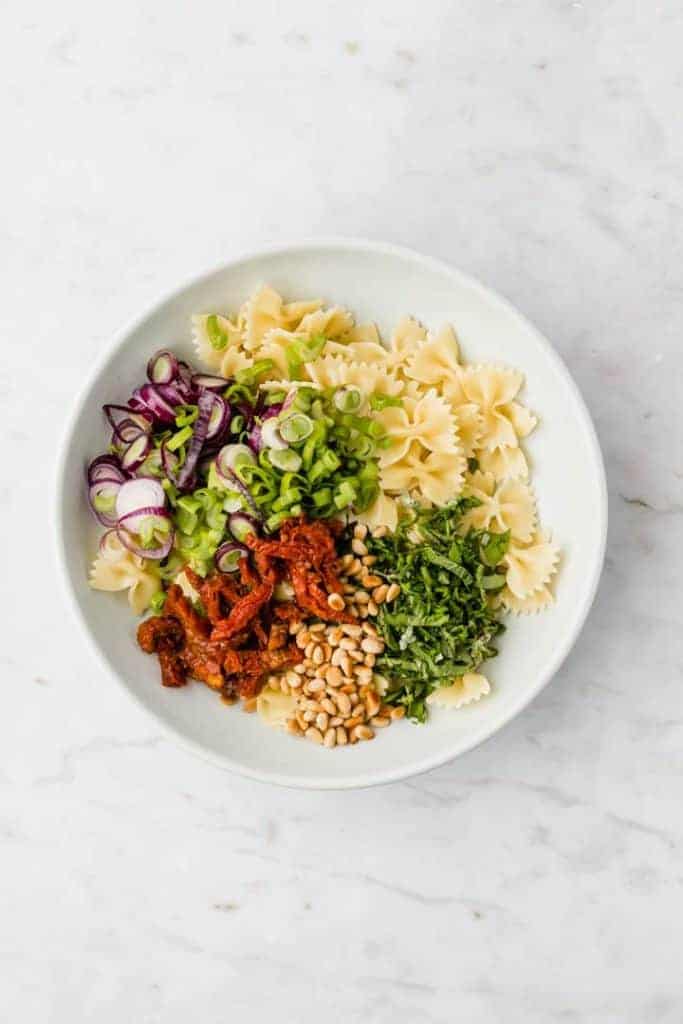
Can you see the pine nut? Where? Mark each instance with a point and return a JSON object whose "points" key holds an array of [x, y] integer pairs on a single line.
{"points": [[295, 627], [333, 676], [328, 706], [380, 531], [379, 594], [317, 627], [380, 722], [363, 675], [371, 645], [345, 664], [336, 602], [293, 727], [398, 712], [337, 657], [346, 560], [369, 560], [372, 704], [369, 629], [353, 611], [303, 724], [249, 705], [361, 597], [308, 650], [348, 644], [322, 720], [349, 687], [300, 669], [351, 630], [363, 611], [393, 592], [344, 704], [330, 738], [358, 547], [336, 720], [314, 734], [356, 719], [284, 687], [369, 582], [360, 531], [317, 657], [355, 567], [308, 716], [354, 698], [316, 685], [342, 738], [302, 639], [363, 732], [372, 608]]}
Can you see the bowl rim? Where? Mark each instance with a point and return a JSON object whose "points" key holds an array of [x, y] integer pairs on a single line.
{"points": [[488, 729]]}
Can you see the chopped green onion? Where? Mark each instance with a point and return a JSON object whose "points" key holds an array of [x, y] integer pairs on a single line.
{"points": [[218, 338], [251, 374], [379, 402], [157, 602], [179, 439], [285, 459], [348, 399], [296, 428]]}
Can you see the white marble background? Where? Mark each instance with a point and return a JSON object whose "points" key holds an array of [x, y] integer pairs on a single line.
{"points": [[536, 144]]}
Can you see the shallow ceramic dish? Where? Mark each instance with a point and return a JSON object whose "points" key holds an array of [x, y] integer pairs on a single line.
{"points": [[379, 282]]}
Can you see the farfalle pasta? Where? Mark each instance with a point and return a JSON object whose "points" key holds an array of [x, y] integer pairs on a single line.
{"points": [[467, 689], [117, 568]]}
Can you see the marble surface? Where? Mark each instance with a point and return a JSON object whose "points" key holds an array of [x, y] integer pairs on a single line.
{"points": [[536, 144]]}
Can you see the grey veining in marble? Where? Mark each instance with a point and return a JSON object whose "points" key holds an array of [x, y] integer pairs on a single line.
{"points": [[537, 144]]}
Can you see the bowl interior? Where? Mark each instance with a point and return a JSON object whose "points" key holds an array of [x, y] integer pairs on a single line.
{"points": [[379, 283]]}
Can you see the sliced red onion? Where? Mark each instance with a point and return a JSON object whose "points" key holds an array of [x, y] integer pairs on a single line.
{"points": [[126, 431], [169, 461], [229, 555], [172, 393], [142, 492], [272, 410], [185, 382], [233, 482], [104, 466], [136, 453], [139, 414], [161, 410], [162, 367], [247, 414], [241, 525], [254, 438], [209, 382], [157, 553], [187, 473], [271, 436], [219, 418], [107, 490], [132, 521]]}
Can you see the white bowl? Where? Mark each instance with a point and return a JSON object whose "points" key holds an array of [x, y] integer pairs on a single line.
{"points": [[378, 282]]}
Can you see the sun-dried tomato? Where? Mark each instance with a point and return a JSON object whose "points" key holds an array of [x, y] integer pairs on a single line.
{"points": [[246, 609]]}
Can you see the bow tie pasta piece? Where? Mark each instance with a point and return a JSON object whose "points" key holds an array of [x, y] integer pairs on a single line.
{"points": [[328, 371], [233, 361], [117, 568], [531, 566], [436, 360], [427, 420], [437, 476], [383, 512], [532, 605], [363, 333], [370, 352], [504, 463], [265, 310], [466, 689], [275, 707], [212, 337], [333, 323], [493, 389], [509, 505], [469, 423], [274, 347]]}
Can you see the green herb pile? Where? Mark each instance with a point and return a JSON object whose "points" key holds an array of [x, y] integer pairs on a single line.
{"points": [[442, 623]]}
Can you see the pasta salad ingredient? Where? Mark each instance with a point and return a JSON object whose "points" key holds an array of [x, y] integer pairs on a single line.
{"points": [[443, 623]]}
